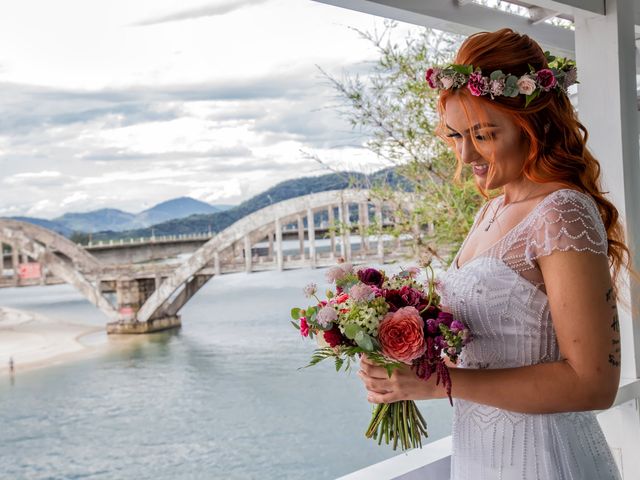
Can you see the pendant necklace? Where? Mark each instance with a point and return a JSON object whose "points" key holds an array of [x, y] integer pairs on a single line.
{"points": [[495, 215]]}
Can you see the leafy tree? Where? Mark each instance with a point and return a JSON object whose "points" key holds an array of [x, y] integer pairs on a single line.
{"points": [[395, 108]]}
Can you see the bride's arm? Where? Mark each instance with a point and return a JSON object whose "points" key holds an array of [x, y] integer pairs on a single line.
{"points": [[586, 323]]}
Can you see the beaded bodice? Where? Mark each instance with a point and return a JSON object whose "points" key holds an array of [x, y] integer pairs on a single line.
{"points": [[500, 293]]}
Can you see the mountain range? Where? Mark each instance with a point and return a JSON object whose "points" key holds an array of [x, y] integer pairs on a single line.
{"points": [[185, 215], [111, 219]]}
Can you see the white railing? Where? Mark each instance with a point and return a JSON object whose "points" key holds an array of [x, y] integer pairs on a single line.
{"points": [[620, 423]]}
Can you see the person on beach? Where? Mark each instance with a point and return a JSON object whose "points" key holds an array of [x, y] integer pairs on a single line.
{"points": [[535, 280], [11, 366]]}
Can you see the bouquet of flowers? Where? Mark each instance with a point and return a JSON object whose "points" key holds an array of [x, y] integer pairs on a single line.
{"points": [[393, 320]]}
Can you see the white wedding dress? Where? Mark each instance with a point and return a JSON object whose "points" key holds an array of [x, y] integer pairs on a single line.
{"points": [[500, 296]]}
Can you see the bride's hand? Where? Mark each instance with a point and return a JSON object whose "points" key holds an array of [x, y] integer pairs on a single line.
{"points": [[403, 384]]}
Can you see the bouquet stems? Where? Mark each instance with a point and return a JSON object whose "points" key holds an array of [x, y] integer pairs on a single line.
{"points": [[398, 422]]}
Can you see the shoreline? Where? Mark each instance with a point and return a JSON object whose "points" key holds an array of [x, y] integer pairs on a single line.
{"points": [[35, 341]]}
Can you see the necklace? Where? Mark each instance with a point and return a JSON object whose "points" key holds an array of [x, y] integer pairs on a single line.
{"points": [[495, 215]]}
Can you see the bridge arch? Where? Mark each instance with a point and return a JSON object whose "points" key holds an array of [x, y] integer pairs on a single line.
{"points": [[254, 226], [70, 262]]}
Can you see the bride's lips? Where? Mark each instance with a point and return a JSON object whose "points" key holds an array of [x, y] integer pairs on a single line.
{"points": [[481, 170]]}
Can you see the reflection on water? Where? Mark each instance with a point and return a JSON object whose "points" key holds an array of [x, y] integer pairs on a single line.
{"points": [[220, 398]]}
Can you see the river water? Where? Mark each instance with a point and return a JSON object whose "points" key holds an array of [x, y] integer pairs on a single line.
{"points": [[221, 398]]}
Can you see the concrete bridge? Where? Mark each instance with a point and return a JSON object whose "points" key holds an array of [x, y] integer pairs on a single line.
{"points": [[146, 297]]}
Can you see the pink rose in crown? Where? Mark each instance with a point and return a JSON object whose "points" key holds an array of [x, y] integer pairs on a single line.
{"points": [[546, 79], [401, 335]]}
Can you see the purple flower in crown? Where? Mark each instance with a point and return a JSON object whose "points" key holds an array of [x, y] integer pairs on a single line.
{"points": [[546, 79], [477, 84]]}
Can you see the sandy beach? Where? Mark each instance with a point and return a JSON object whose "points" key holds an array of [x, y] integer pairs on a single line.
{"points": [[35, 341]]}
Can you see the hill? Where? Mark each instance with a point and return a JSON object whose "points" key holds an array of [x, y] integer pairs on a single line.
{"points": [[285, 190]]}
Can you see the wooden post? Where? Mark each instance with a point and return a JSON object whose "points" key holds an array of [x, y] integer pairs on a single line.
{"points": [[247, 253], [301, 236], [311, 225], [279, 256]]}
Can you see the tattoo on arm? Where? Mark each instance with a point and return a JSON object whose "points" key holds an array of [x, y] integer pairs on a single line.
{"points": [[614, 355]]}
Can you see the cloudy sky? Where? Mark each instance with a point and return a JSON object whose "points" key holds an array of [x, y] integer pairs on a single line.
{"points": [[126, 103]]}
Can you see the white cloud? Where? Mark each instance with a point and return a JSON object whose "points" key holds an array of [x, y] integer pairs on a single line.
{"points": [[100, 113]]}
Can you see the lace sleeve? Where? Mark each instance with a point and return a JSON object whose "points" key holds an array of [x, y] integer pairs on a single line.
{"points": [[566, 220]]}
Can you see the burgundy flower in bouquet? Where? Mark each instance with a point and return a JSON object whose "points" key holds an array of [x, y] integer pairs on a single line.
{"points": [[394, 320]]}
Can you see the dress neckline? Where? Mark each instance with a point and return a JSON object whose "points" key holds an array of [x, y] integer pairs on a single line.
{"points": [[508, 233]]}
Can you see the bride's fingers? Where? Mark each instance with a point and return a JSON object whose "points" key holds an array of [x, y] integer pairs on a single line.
{"points": [[373, 370]]}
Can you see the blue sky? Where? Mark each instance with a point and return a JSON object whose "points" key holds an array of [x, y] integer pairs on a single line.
{"points": [[125, 104]]}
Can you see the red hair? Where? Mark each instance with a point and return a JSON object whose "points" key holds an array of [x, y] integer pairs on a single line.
{"points": [[549, 124]]}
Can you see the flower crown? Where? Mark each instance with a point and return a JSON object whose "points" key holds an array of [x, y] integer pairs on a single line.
{"points": [[560, 75]]}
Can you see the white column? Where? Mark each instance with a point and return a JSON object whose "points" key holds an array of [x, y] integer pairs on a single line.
{"points": [[270, 237], [301, 236], [380, 241], [279, 257], [247, 253], [311, 226], [607, 105]]}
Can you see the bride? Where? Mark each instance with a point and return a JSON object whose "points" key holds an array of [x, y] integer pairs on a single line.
{"points": [[535, 279]]}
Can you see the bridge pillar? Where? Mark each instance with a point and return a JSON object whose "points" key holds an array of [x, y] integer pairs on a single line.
{"points": [[15, 260], [130, 296], [345, 249], [301, 236], [380, 232], [216, 264], [332, 233], [362, 213], [279, 256], [311, 225], [247, 253]]}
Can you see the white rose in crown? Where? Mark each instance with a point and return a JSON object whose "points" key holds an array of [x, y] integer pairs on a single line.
{"points": [[526, 85]]}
